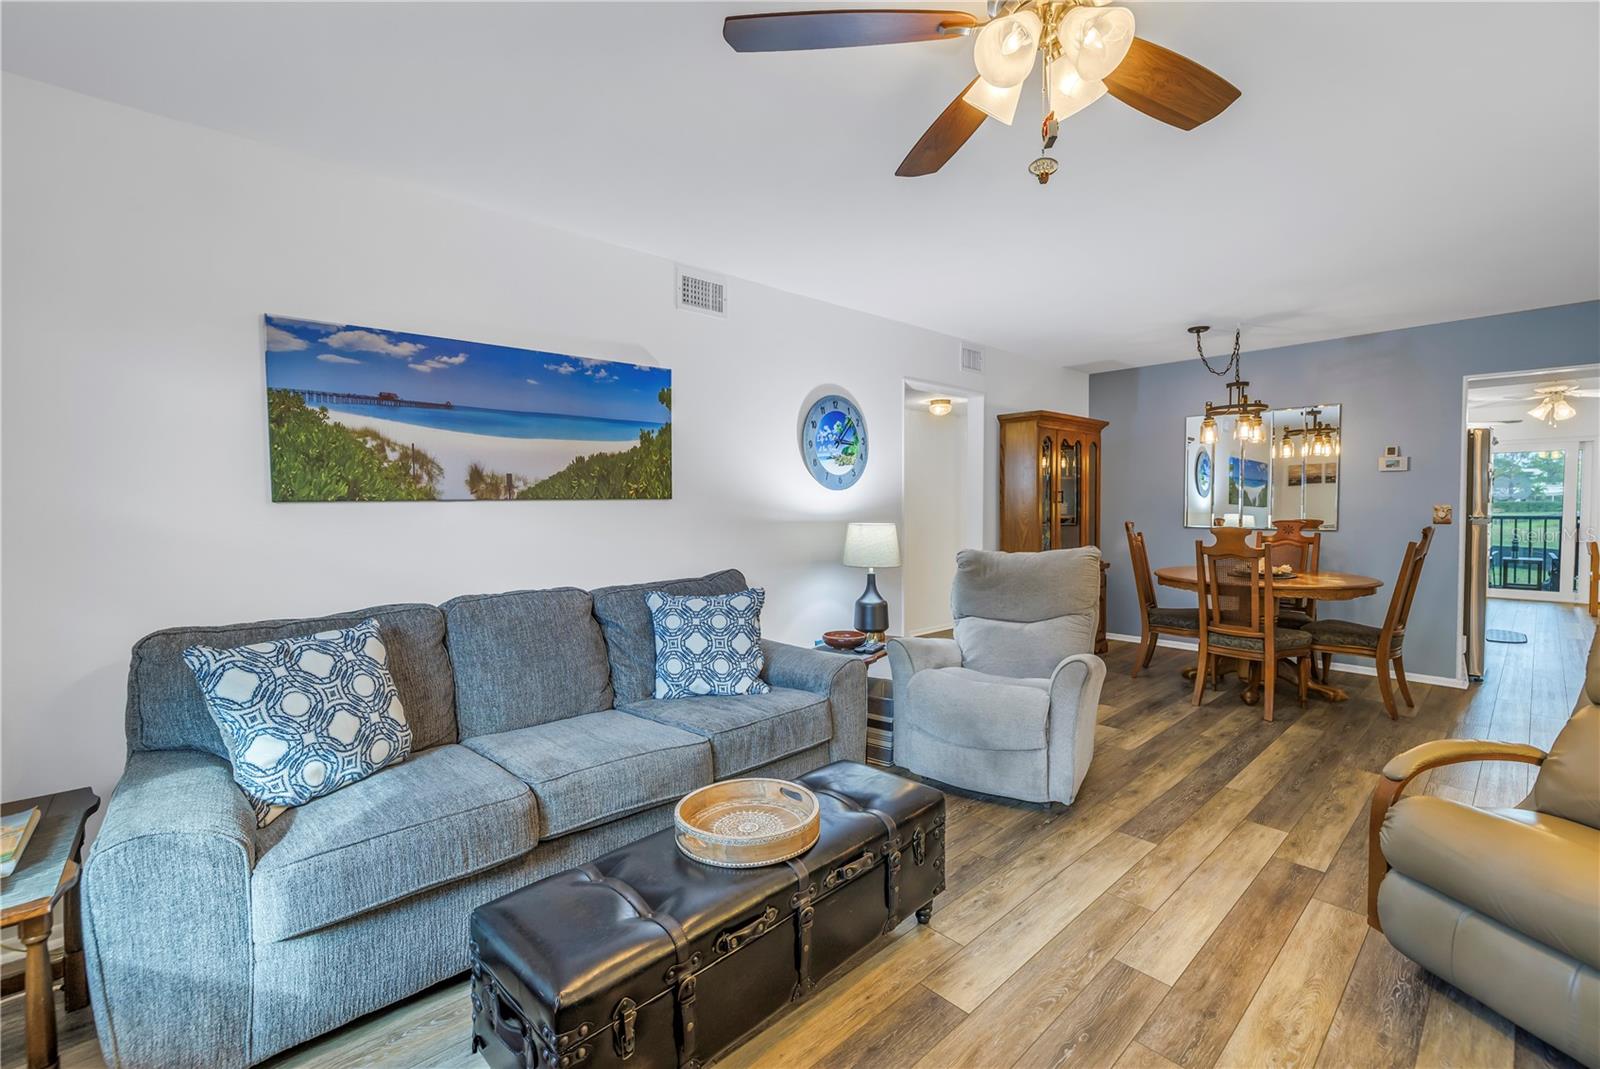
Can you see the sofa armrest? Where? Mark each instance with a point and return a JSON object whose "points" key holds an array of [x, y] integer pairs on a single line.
{"points": [[908, 656], [843, 679], [166, 910], [1074, 708], [1405, 767]]}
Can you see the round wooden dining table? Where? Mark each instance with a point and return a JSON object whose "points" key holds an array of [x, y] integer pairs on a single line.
{"points": [[1318, 586]]}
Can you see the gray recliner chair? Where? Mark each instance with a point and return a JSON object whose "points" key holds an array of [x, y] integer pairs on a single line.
{"points": [[1008, 706]]}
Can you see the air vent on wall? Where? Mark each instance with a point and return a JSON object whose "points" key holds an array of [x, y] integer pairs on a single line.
{"points": [[971, 359], [702, 292]]}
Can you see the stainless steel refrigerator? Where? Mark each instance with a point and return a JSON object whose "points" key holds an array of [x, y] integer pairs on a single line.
{"points": [[1480, 480]]}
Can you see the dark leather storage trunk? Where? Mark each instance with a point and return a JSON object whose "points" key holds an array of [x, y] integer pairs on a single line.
{"points": [[647, 959]]}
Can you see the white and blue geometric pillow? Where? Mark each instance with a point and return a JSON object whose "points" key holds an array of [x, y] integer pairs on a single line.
{"points": [[302, 717], [708, 644]]}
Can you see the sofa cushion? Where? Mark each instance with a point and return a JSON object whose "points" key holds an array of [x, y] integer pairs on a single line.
{"points": [[1022, 650], [967, 708], [746, 730], [630, 638], [589, 769], [525, 657], [166, 710], [1532, 872], [438, 816], [1027, 587], [303, 716]]}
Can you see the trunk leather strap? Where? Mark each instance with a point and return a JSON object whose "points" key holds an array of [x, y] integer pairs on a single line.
{"points": [[681, 975], [804, 914], [891, 854]]}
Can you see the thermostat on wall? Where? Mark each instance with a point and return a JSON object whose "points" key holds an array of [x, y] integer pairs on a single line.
{"points": [[1392, 460]]}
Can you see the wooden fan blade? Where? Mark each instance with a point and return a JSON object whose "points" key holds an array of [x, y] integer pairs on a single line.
{"points": [[1166, 86], [944, 138], [790, 31]]}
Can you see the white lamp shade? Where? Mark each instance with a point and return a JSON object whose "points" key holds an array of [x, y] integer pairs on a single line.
{"points": [[1542, 409], [1096, 39], [872, 545], [1069, 92], [1006, 48], [994, 102], [1564, 410]]}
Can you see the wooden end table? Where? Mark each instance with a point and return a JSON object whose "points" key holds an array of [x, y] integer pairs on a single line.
{"points": [[47, 873]]}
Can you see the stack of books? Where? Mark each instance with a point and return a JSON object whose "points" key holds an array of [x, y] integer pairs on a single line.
{"points": [[15, 831]]}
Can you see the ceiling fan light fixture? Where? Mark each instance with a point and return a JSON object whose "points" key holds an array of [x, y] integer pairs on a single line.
{"points": [[1543, 409], [1096, 39], [1563, 410], [999, 104], [1006, 48], [1070, 93]]}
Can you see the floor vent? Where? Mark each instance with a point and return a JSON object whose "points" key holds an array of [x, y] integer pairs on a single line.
{"points": [[702, 292], [971, 359]]}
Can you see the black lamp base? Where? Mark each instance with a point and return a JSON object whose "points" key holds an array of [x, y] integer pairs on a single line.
{"points": [[872, 612]]}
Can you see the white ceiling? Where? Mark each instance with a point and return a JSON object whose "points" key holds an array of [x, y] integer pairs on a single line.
{"points": [[1388, 164]]}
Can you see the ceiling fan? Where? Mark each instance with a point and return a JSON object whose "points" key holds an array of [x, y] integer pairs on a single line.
{"points": [[1553, 406], [1088, 51]]}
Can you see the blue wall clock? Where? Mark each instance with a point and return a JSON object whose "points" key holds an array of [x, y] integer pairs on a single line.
{"points": [[1202, 473], [833, 442]]}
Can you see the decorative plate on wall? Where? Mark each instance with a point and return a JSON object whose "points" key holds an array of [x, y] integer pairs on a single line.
{"points": [[1202, 473], [833, 442]]}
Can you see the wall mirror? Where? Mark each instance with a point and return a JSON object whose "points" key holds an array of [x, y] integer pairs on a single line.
{"points": [[1293, 473]]}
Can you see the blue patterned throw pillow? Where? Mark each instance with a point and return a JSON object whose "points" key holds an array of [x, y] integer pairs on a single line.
{"points": [[708, 643], [302, 717]]}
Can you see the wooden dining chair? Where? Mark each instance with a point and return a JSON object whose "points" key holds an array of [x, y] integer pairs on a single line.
{"points": [[1235, 584], [1153, 619], [1301, 549], [1382, 644]]}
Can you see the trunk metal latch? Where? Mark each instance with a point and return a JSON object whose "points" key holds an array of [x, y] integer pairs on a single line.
{"points": [[623, 1019]]}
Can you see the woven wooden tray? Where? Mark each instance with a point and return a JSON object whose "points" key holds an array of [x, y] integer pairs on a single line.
{"points": [[746, 823]]}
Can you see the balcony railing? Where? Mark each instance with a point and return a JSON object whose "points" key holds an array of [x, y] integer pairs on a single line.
{"points": [[1525, 552]]}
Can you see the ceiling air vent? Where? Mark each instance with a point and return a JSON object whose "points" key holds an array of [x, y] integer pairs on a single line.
{"points": [[971, 359], [702, 292]]}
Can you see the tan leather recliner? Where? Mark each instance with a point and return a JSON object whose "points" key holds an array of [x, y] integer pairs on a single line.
{"points": [[1502, 903]]}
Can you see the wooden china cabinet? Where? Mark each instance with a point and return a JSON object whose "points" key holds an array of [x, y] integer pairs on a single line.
{"points": [[1050, 487]]}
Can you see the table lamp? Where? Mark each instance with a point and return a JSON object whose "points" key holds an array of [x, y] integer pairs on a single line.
{"points": [[872, 546]]}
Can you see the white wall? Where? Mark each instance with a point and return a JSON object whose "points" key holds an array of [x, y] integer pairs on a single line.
{"points": [[139, 255], [935, 504]]}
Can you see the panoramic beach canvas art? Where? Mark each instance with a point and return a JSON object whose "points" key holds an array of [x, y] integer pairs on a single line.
{"points": [[363, 414]]}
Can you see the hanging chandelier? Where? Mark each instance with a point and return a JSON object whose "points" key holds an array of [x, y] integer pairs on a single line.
{"points": [[1316, 439], [1248, 426]]}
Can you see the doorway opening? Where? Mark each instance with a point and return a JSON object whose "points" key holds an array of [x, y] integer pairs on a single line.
{"points": [[1530, 492], [941, 497]]}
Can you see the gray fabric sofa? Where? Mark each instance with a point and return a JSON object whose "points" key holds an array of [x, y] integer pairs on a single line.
{"points": [[537, 746], [1008, 706]]}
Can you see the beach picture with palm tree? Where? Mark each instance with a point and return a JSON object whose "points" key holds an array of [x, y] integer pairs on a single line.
{"points": [[363, 414]]}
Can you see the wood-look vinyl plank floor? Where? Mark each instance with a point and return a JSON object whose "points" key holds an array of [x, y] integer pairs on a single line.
{"points": [[1224, 855]]}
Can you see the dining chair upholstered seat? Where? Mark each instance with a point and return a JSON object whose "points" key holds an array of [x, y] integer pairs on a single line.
{"points": [[1293, 618], [1286, 638], [1348, 633], [1187, 619]]}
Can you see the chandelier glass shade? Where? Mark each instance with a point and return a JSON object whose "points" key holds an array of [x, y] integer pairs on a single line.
{"points": [[1070, 92], [998, 104], [1006, 48], [1096, 39]]}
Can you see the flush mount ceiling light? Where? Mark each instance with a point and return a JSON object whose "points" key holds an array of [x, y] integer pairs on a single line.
{"points": [[940, 406], [1248, 426], [1083, 50]]}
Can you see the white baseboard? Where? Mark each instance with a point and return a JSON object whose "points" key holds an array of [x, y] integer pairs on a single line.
{"points": [[1353, 667]]}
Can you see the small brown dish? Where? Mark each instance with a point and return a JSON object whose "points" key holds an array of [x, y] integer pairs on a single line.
{"points": [[844, 640]]}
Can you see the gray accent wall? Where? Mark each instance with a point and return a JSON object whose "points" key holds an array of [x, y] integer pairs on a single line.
{"points": [[1401, 387]]}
